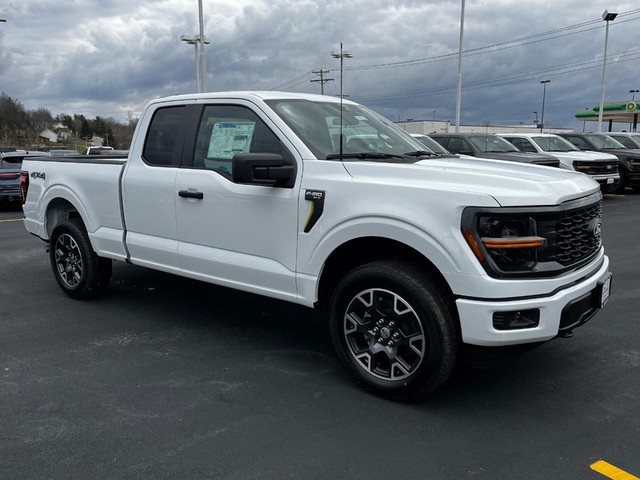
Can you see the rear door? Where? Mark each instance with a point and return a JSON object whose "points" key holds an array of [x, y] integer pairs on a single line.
{"points": [[243, 236], [148, 189]]}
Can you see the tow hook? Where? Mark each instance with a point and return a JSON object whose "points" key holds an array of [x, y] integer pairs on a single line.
{"points": [[566, 334]]}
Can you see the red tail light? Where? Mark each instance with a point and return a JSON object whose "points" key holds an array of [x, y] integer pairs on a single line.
{"points": [[24, 186]]}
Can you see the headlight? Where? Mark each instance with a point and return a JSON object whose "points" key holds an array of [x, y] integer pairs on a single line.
{"points": [[510, 242]]}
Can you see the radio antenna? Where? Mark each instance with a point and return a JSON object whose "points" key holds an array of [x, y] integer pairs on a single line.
{"points": [[341, 55]]}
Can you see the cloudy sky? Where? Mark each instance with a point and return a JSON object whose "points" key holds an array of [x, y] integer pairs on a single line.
{"points": [[108, 57]]}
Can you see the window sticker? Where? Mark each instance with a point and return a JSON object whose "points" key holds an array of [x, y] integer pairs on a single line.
{"points": [[229, 138]]}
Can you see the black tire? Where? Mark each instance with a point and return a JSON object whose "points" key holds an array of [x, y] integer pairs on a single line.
{"points": [[394, 330], [621, 186], [77, 268]]}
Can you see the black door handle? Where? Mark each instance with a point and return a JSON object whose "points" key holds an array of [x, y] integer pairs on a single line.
{"points": [[190, 194]]}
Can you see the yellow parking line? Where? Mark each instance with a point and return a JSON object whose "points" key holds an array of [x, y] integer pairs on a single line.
{"points": [[610, 471], [11, 220]]}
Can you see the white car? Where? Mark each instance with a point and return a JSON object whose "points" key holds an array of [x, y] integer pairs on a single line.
{"points": [[602, 167]]}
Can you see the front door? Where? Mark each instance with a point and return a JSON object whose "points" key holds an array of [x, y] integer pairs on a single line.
{"points": [[242, 236]]}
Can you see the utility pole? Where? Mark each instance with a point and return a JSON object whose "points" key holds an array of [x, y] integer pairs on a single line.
{"points": [[322, 80]]}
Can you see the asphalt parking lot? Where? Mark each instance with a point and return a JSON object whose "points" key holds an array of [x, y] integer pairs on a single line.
{"points": [[170, 378]]}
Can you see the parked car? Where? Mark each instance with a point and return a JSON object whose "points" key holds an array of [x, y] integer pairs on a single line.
{"points": [[431, 144], [10, 166], [483, 145], [628, 139], [600, 166], [628, 159], [95, 150]]}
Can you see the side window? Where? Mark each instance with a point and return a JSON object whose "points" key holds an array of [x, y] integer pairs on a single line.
{"points": [[459, 145], [161, 142], [523, 144], [225, 130], [578, 142]]}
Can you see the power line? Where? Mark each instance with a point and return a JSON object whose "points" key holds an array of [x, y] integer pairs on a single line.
{"points": [[321, 80], [557, 71]]}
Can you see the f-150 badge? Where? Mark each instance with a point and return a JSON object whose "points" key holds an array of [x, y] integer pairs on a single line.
{"points": [[316, 197]]}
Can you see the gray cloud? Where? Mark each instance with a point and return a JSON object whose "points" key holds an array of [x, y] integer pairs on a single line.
{"points": [[109, 57]]}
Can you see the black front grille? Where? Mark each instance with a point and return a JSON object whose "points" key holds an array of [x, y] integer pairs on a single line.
{"points": [[572, 236], [575, 237], [599, 167]]}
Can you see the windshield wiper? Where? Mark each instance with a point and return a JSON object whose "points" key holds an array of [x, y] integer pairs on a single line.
{"points": [[420, 153], [363, 155]]}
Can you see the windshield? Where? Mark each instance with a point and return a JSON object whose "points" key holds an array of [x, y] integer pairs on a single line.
{"points": [[604, 142], [431, 144], [491, 144], [317, 124], [554, 144], [627, 141]]}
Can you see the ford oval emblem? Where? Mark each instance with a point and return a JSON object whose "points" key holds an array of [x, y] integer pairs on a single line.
{"points": [[595, 228]]}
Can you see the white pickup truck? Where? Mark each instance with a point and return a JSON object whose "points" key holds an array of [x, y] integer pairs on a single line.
{"points": [[422, 260]]}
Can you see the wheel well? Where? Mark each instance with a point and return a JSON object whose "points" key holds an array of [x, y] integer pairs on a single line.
{"points": [[58, 211], [360, 251]]}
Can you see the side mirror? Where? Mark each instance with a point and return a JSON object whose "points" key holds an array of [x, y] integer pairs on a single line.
{"points": [[266, 169]]}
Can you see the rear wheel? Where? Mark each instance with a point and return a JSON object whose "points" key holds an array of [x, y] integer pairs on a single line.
{"points": [[394, 330], [77, 268]]}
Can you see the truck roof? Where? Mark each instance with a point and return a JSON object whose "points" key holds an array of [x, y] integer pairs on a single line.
{"points": [[252, 95]]}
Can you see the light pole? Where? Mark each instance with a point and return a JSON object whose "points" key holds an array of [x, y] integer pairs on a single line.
{"points": [[342, 54], [536, 114], [544, 95], [2, 19], [459, 88], [607, 16], [633, 99], [195, 40], [203, 57]]}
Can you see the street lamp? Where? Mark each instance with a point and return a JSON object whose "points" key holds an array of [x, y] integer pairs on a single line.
{"points": [[607, 16], [544, 94], [2, 19], [633, 94], [342, 54], [195, 40], [459, 87]]}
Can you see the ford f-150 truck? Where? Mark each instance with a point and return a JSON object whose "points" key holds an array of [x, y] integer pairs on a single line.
{"points": [[421, 260]]}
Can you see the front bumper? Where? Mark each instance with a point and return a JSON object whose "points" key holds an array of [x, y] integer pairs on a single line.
{"points": [[559, 312]]}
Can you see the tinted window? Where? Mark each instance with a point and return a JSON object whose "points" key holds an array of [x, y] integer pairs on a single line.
{"points": [[580, 143], [161, 145], [229, 129], [627, 142], [522, 144], [491, 144], [459, 145]]}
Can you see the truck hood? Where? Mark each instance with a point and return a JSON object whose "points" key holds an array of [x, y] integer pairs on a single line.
{"points": [[524, 157], [590, 155], [624, 152], [510, 184]]}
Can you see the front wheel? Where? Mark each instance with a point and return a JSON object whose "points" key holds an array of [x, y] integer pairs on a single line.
{"points": [[77, 268], [394, 330]]}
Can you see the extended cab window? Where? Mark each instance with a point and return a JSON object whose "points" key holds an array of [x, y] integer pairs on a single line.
{"points": [[161, 145], [229, 129]]}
